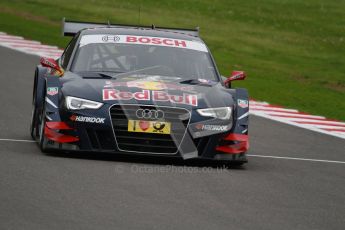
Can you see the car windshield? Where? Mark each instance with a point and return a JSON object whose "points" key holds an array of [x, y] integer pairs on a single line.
{"points": [[136, 59]]}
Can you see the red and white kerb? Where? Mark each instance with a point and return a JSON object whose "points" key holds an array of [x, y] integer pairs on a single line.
{"points": [[143, 40]]}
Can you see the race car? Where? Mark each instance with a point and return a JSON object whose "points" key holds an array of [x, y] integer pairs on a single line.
{"points": [[127, 89]]}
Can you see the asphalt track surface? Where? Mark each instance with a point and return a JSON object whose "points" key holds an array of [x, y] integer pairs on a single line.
{"points": [[96, 191]]}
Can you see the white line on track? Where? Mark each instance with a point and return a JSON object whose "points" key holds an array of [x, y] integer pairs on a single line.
{"points": [[297, 159], [17, 140], [250, 155]]}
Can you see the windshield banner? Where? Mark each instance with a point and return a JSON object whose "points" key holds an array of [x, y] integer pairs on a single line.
{"points": [[143, 40]]}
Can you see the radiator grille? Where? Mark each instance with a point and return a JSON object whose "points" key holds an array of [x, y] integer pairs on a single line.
{"points": [[149, 142]]}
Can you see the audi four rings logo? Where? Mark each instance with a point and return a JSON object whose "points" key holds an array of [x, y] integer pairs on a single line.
{"points": [[149, 114], [110, 38]]}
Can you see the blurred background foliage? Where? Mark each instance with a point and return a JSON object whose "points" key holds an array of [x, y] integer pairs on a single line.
{"points": [[292, 50]]}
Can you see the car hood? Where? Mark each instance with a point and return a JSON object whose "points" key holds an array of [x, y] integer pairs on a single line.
{"points": [[148, 90]]}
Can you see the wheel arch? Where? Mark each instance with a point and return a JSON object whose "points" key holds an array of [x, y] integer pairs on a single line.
{"points": [[39, 86], [241, 110]]}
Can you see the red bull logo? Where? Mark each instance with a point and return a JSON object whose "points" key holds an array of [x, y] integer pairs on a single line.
{"points": [[147, 95]]}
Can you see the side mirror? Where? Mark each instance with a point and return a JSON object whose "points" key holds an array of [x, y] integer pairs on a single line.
{"points": [[51, 63], [235, 75]]}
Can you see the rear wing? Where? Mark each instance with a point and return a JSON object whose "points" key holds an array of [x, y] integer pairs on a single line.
{"points": [[70, 28]]}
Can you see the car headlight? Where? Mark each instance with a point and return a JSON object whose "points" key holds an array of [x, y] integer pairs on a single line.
{"points": [[223, 113], [74, 103]]}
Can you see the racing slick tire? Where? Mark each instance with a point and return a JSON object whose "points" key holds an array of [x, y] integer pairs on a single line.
{"points": [[235, 160], [235, 164], [34, 117]]}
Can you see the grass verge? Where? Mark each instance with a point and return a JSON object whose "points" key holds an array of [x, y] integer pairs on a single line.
{"points": [[292, 50]]}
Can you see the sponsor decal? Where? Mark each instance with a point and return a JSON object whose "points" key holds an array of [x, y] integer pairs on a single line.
{"points": [[147, 85], [149, 114], [212, 127], [159, 126], [150, 85], [111, 38], [52, 91], [147, 95], [156, 41], [143, 40], [96, 120], [49, 62], [142, 126], [156, 126], [243, 103], [113, 94]]}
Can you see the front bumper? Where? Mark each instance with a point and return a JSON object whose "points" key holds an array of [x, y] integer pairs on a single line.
{"points": [[87, 135], [222, 146]]}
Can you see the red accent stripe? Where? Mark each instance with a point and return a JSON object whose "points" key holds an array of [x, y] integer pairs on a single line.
{"points": [[40, 49], [267, 106], [335, 130], [57, 125], [291, 116], [236, 137], [237, 148], [58, 137], [33, 46], [234, 149]]}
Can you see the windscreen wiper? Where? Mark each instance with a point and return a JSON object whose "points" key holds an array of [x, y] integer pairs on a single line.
{"points": [[100, 74], [202, 82], [107, 76], [190, 81]]}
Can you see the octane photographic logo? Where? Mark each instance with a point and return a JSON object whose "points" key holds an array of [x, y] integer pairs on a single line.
{"points": [[96, 120], [243, 103], [52, 91]]}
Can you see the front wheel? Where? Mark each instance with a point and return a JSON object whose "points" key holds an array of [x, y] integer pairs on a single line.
{"points": [[34, 132], [232, 160]]}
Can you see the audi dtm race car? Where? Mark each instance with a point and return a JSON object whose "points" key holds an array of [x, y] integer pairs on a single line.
{"points": [[138, 90]]}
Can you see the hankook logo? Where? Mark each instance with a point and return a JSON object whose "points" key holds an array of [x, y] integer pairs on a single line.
{"points": [[149, 114], [212, 127], [97, 120]]}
